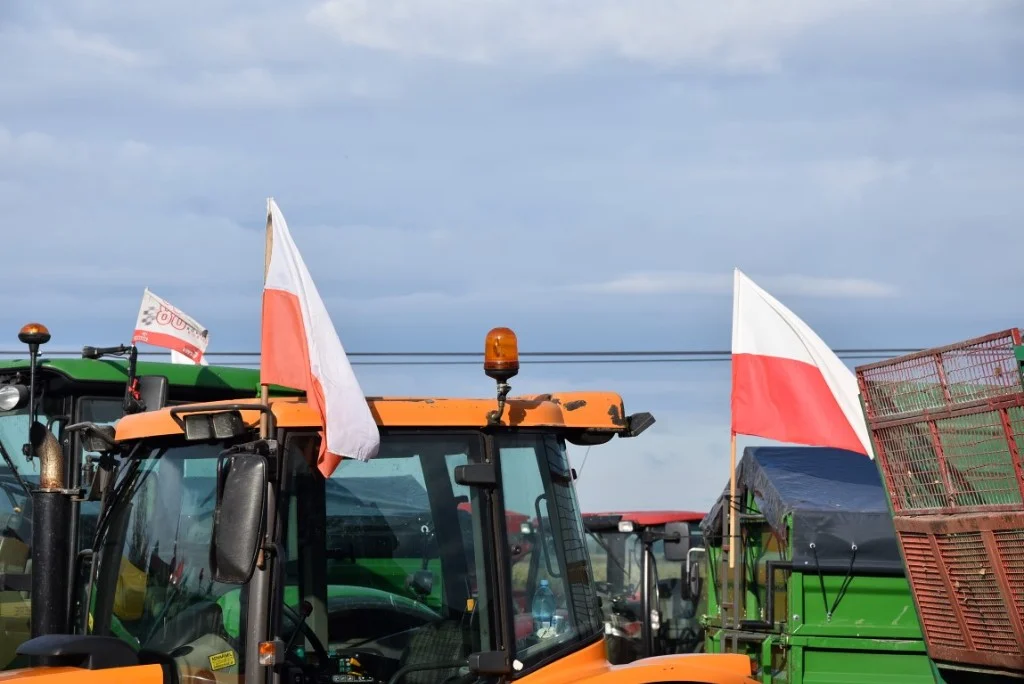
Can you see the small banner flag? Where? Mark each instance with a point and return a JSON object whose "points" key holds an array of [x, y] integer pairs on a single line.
{"points": [[162, 325]]}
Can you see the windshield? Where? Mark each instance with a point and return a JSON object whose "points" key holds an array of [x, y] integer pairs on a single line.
{"points": [[387, 554]]}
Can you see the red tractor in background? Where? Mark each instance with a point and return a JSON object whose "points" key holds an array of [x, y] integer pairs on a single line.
{"points": [[650, 592]]}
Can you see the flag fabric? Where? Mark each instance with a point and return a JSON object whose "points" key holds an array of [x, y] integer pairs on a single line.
{"points": [[163, 325], [178, 357], [787, 384], [300, 348]]}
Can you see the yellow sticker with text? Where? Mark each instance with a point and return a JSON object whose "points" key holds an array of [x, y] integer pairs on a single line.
{"points": [[218, 661]]}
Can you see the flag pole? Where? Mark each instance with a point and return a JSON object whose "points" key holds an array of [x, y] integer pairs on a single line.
{"points": [[264, 388]]}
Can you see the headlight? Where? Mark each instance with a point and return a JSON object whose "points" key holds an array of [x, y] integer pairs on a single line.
{"points": [[12, 397]]}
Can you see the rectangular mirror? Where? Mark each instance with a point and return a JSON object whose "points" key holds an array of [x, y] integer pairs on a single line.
{"points": [[153, 390], [238, 522], [676, 549]]}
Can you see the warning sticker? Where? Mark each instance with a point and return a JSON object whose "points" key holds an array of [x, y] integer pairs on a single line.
{"points": [[218, 661]]}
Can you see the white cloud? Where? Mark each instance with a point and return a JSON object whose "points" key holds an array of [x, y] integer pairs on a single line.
{"points": [[849, 180], [681, 462], [741, 35], [729, 35], [95, 46], [682, 282]]}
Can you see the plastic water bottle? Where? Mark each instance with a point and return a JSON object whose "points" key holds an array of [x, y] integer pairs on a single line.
{"points": [[543, 607]]}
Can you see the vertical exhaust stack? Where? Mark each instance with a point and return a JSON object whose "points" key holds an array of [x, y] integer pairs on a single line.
{"points": [[50, 525]]}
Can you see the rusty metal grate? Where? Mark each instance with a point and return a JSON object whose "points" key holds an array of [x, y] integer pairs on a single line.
{"points": [[963, 463], [976, 588], [1010, 544], [947, 426], [940, 625], [976, 370]]}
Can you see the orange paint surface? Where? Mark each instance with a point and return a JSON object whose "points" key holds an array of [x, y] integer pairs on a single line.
{"points": [[142, 674], [590, 665], [581, 410]]}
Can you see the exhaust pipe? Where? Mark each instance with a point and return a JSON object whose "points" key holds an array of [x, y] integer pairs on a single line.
{"points": [[51, 520]]}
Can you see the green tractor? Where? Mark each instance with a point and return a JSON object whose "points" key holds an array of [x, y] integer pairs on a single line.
{"points": [[48, 515]]}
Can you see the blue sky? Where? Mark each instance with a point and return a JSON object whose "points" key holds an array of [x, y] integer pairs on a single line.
{"points": [[586, 171]]}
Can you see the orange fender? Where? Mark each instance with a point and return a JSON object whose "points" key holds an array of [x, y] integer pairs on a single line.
{"points": [[140, 674], [591, 665]]}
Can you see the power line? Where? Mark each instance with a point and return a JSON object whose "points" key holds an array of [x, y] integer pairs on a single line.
{"points": [[613, 361], [874, 352]]}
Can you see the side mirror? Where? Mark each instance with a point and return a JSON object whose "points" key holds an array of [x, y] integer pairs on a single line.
{"points": [[153, 390], [99, 438], [238, 522], [676, 549], [422, 582]]}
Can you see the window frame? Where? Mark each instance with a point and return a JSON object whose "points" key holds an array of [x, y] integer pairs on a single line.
{"points": [[476, 450], [544, 439]]}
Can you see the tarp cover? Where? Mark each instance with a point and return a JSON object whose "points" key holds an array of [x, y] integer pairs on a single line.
{"points": [[836, 501]]}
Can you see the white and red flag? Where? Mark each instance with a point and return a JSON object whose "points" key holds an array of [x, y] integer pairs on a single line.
{"points": [[163, 325], [787, 385], [300, 348]]}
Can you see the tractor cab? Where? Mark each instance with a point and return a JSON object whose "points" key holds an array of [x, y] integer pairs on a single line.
{"points": [[650, 593], [457, 554], [43, 403]]}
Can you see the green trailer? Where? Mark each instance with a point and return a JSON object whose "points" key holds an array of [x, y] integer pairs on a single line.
{"points": [[68, 391], [817, 593]]}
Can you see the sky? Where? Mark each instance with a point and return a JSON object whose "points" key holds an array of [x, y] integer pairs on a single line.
{"points": [[588, 172]]}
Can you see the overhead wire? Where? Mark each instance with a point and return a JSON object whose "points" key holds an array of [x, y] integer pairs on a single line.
{"points": [[457, 358]]}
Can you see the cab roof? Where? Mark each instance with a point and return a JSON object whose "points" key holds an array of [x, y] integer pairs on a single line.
{"points": [[600, 521], [177, 374], [593, 411]]}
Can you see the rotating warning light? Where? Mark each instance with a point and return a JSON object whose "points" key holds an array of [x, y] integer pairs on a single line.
{"points": [[501, 354], [34, 333]]}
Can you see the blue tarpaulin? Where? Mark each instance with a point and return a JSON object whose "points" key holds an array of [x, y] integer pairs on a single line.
{"points": [[834, 499]]}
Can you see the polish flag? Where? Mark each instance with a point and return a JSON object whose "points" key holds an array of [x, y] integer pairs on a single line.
{"points": [[787, 384], [300, 348]]}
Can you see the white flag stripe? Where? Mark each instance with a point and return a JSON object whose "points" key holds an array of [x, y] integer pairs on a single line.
{"points": [[764, 327], [350, 428]]}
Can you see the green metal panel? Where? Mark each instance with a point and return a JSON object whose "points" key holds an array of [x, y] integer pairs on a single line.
{"points": [[872, 607], [178, 374], [872, 635]]}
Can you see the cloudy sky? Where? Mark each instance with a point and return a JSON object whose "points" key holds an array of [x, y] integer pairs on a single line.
{"points": [[586, 171]]}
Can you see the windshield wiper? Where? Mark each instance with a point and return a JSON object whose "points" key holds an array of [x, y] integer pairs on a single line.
{"points": [[118, 491], [14, 471]]}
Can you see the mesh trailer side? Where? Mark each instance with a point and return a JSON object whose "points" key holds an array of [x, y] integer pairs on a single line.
{"points": [[946, 424], [947, 427]]}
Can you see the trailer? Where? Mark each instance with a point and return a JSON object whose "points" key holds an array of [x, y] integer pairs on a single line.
{"points": [[947, 428], [821, 593]]}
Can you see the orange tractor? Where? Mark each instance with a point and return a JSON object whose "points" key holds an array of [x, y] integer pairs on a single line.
{"points": [[222, 555]]}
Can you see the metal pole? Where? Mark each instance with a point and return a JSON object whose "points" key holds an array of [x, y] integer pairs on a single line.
{"points": [[259, 585], [723, 576], [50, 522], [739, 595], [645, 601]]}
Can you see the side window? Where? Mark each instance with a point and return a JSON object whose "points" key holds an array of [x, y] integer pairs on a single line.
{"points": [[102, 411], [551, 577]]}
